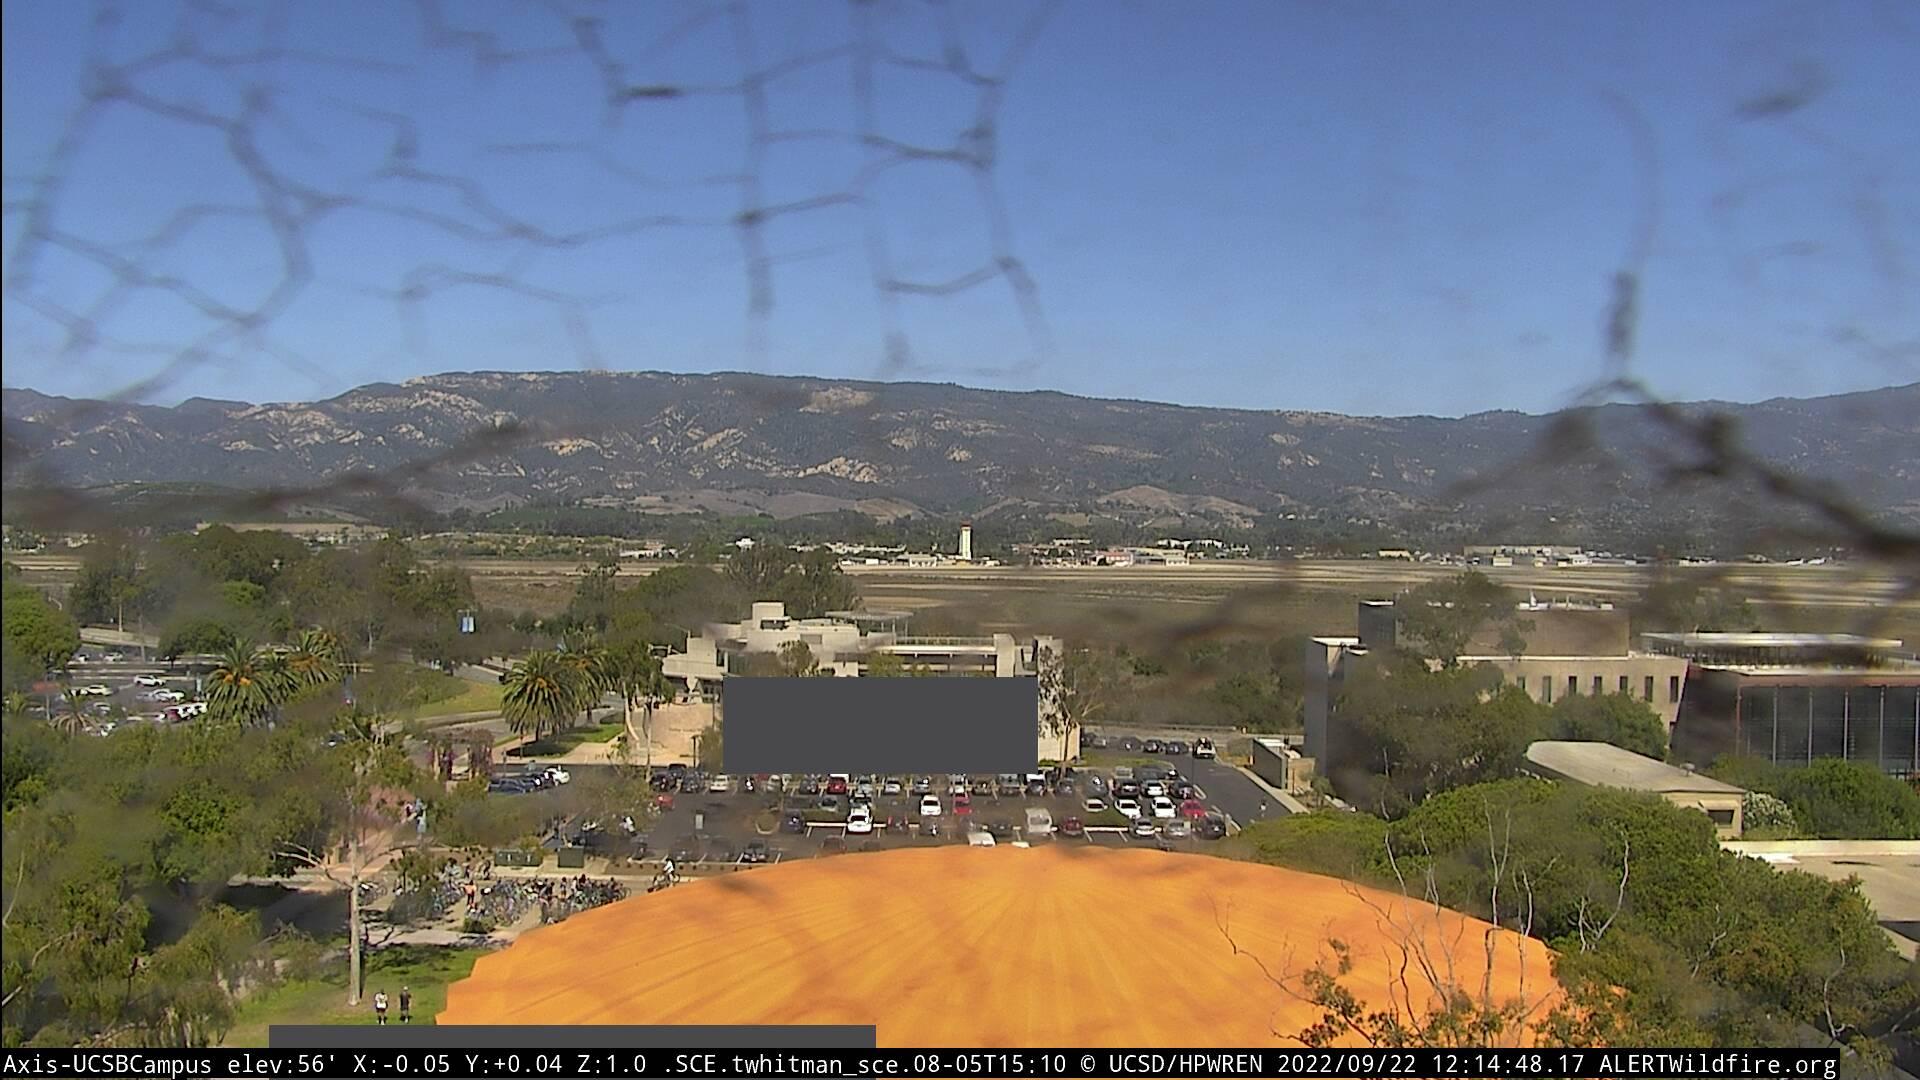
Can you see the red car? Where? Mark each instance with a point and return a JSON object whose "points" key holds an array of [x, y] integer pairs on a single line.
{"points": [[663, 802], [962, 804], [836, 786], [1194, 809], [1072, 826]]}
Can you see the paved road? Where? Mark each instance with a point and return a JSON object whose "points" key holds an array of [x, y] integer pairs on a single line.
{"points": [[1230, 790]]}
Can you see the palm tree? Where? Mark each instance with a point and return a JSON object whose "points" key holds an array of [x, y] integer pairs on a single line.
{"points": [[247, 686], [70, 717], [594, 669], [542, 691], [315, 660]]}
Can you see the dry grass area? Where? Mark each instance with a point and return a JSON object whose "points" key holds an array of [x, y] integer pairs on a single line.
{"points": [[1001, 947]]}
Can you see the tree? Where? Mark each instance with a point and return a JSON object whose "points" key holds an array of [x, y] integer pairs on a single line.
{"points": [[202, 634], [1075, 686], [365, 782], [36, 630], [110, 581], [248, 685], [543, 691], [1832, 799], [797, 661], [631, 670], [1412, 732], [1619, 719], [315, 659], [1439, 619], [884, 665]]}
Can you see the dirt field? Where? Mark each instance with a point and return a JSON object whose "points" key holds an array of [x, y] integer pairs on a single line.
{"points": [[1002, 947]]}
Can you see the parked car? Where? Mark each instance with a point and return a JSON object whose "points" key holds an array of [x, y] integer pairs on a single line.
{"points": [[1122, 773], [892, 786], [837, 784], [1066, 788], [1193, 808], [166, 695], [1037, 788], [1184, 789], [149, 680], [979, 838], [756, 852], [1072, 826], [793, 823], [807, 786], [1127, 789], [94, 690], [1164, 809], [114, 657], [1001, 830], [1151, 746], [1039, 821], [1093, 740], [1203, 749], [720, 784], [1175, 746], [1143, 827], [662, 783], [829, 803], [1008, 785], [1177, 829], [859, 821], [1096, 784], [1128, 744], [923, 785], [1211, 827], [929, 806], [557, 775], [1095, 804], [1127, 805], [962, 804]]}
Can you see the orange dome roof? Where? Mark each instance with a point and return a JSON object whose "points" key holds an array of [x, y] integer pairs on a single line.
{"points": [[1055, 945]]}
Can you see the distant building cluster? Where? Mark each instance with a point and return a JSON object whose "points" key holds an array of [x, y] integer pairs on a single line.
{"points": [[1079, 551], [1785, 698]]}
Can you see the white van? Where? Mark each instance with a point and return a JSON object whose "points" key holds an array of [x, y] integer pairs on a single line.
{"points": [[1039, 821], [979, 838]]}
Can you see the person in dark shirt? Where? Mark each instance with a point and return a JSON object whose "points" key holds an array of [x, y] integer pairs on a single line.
{"points": [[406, 1005]]}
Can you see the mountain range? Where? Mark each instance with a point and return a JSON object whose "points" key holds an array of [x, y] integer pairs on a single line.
{"points": [[734, 443]]}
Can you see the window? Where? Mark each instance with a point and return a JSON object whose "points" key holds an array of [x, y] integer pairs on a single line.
{"points": [[1673, 689], [1722, 818], [1546, 689], [1573, 686], [1647, 692], [1623, 686], [1597, 686]]}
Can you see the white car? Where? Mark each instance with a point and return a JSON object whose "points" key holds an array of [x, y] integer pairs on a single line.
{"points": [[957, 784], [1142, 827], [930, 806], [166, 695], [1096, 805], [979, 838], [558, 775], [95, 690], [859, 821], [1129, 807], [720, 784], [1203, 749], [114, 657], [192, 708], [1153, 789], [1163, 808], [892, 786], [149, 680]]}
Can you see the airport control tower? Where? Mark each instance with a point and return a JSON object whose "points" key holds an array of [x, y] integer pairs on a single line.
{"points": [[966, 542]]}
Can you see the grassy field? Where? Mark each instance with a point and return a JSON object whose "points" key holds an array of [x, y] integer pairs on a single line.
{"points": [[468, 697], [423, 969], [567, 740]]}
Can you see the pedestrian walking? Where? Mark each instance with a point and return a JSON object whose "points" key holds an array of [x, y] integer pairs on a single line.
{"points": [[380, 1007], [406, 1005]]}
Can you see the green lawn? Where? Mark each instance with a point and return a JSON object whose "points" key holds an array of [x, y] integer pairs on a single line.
{"points": [[426, 970], [468, 697], [554, 745]]}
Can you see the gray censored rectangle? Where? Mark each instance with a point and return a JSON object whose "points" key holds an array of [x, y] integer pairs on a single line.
{"points": [[568, 1037], [908, 725]]}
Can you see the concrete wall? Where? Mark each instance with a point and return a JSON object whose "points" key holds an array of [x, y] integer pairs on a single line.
{"points": [[1537, 674]]}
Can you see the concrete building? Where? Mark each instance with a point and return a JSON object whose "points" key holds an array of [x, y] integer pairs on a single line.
{"points": [[843, 644], [1599, 764], [1794, 698], [1281, 765], [1570, 650], [966, 542]]}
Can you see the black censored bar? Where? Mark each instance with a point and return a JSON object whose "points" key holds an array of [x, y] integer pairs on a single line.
{"points": [[457, 1056]]}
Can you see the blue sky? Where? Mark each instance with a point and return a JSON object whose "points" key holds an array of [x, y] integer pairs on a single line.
{"points": [[1365, 207]]}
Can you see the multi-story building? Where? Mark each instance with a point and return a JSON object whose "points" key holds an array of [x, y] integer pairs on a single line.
{"points": [[844, 643], [1793, 698], [1569, 650]]}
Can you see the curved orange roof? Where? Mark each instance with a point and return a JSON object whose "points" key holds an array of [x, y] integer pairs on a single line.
{"points": [[1055, 945]]}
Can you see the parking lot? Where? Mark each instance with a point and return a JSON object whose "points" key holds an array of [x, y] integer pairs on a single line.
{"points": [[112, 692], [804, 819]]}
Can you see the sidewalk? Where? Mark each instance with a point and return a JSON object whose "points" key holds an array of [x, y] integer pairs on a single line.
{"points": [[1293, 805]]}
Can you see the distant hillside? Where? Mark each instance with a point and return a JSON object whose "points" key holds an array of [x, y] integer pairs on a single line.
{"points": [[742, 443]]}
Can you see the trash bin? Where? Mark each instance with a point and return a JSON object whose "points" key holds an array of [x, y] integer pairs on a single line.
{"points": [[573, 858]]}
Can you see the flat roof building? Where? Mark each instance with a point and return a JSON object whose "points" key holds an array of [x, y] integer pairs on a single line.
{"points": [[1599, 764]]}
